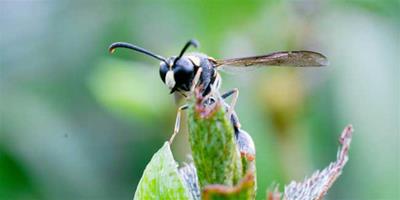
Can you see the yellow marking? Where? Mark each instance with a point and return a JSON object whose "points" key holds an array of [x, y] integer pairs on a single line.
{"points": [[169, 79], [212, 59]]}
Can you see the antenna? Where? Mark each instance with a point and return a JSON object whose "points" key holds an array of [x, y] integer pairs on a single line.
{"points": [[116, 45], [187, 45]]}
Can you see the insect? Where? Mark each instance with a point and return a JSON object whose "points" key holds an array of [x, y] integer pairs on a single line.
{"points": [[185, 72]]}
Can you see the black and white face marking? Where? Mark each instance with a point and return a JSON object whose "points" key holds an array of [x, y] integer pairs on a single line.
{"points": [[177, 76], [176, 72]]}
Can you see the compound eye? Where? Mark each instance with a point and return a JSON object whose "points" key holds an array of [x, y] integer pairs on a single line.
{"points": [[163, 70], [183, 71]]}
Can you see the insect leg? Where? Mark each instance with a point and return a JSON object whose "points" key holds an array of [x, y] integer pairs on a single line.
{"points": [[235, 122], [230, 108], [196, 79], [243, 139], [177, 122], [217, 81], [235, 93]]}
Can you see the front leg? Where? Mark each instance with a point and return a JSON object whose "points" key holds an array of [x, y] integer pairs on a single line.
{"points": [[196, 80], [177, 122]]}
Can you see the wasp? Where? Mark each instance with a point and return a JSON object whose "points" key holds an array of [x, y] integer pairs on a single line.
{"points": [[185, 72]]}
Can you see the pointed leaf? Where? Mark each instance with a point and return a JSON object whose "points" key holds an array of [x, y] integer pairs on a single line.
{"points": [[161, 179], [316, 187]]}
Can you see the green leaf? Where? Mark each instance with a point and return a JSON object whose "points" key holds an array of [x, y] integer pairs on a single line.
{"points": [[161, 179]]}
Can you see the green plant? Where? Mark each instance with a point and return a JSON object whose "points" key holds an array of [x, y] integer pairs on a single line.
{"points": [[220, 170]]}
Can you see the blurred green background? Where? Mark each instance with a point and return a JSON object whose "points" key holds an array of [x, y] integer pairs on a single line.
{"points": [[79, 123]]}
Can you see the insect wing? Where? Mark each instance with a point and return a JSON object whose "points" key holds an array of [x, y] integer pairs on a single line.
{"points": [[284, 58]]}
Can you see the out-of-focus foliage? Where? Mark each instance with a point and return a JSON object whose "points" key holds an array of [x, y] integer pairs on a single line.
{"points": [[125, 90], [79, 123]]}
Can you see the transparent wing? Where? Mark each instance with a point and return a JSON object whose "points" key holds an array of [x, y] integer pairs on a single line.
{"points": [[284, 58]]}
